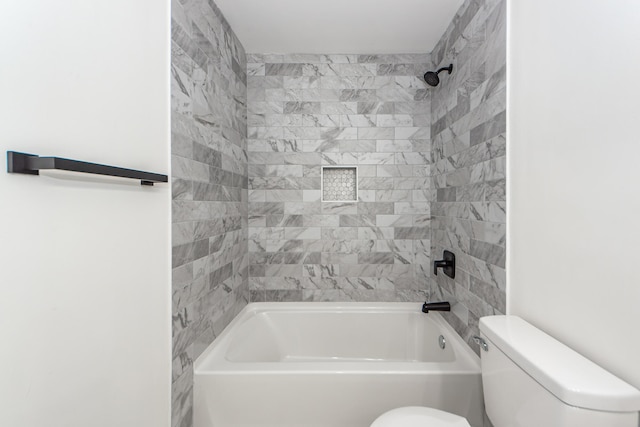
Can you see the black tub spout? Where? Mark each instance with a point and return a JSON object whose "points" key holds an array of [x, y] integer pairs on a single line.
{"points": [[436, 306]]}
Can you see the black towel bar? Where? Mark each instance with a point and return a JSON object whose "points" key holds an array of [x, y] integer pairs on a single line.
{"points": [[31, 164]]}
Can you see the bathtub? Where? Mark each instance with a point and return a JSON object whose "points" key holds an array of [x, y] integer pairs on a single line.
{"points": [[333, 365]]}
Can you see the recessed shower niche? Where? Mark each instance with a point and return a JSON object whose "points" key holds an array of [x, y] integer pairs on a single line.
{"points": [[339, 184]]}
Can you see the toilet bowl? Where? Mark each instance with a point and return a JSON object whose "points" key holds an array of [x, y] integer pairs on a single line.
{"points": [[532, 380], [418, 416]]}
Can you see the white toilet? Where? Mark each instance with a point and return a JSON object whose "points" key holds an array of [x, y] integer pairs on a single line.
{"points": [[531, 380]]}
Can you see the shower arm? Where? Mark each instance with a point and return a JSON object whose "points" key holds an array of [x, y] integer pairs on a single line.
{"points": [[449, 69]]}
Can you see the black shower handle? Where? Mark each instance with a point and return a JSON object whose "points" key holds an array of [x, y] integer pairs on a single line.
{"points": [[440, 264], [447, 264]]}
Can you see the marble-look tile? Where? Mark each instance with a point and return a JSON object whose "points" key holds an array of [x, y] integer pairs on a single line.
{"points": [[308, 110], [209, 186], [468, 140]]}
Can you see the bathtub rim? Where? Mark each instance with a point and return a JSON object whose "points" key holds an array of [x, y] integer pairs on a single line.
{"points": [[466, 363]]}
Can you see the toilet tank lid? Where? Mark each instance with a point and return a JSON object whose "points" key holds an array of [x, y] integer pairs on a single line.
{"points": [[571, 377]]}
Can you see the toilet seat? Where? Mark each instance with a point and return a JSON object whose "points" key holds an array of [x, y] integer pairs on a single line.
{"points": [[419, 416]]}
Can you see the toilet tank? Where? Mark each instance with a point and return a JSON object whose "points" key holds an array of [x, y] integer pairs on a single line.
{"points": [[532, 380]]}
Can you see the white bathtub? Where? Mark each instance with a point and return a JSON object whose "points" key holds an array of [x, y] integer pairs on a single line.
{"points": [[333, 365]]}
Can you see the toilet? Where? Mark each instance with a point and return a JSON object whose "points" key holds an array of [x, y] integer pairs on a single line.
{"points": [[529, 379]]}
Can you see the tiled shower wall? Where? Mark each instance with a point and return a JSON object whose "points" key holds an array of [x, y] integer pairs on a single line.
{"points": [[468, 134], [209, 170], [309, 111]]}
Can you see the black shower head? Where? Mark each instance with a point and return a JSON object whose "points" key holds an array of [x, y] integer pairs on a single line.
{"points": [[431, 77]]}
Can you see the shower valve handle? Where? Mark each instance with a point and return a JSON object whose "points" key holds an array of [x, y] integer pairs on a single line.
{"points": [[440, 264], [447, 264]]}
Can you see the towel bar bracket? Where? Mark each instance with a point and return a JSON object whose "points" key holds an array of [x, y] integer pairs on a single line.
{"points": [[17, 163]]}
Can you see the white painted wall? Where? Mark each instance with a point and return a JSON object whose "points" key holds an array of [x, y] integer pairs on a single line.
{"points": [[84, 261], [574, 175]]}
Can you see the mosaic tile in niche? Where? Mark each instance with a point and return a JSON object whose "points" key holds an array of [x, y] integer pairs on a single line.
{"points": [[339, 184]]}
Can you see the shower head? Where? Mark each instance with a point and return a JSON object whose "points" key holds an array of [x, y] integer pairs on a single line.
{"points": [[431, 77]]}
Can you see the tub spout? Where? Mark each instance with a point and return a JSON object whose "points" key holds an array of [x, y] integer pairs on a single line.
{"points": [[436, 306]]}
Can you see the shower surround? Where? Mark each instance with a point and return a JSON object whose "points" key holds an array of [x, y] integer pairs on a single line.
{"points": [[309, 111]]}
